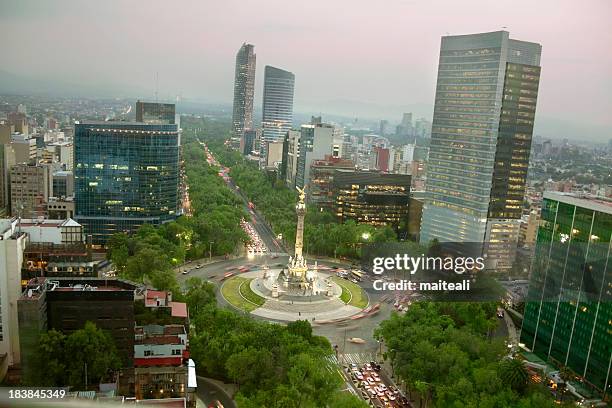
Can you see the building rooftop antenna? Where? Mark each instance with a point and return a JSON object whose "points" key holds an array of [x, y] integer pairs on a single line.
{"points": [[156, 85]]}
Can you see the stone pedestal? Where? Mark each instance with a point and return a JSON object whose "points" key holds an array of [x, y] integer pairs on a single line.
{"points": [[275, 290]]}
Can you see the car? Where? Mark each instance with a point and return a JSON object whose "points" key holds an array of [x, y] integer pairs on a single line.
{"points": [[185, 272]]}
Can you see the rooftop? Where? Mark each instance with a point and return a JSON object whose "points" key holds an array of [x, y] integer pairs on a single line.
{"points": [[159, 340], [595, 203]]}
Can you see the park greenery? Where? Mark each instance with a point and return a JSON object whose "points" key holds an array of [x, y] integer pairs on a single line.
{"points": [[273, 365], [62, 359], [446, 356]]}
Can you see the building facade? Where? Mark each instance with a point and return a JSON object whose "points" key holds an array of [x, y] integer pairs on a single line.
{"points": [[126, 175], [277, 104], [321, 191], [244, 90], [568, 310], [31, 186], [371, 197], [481, 136]]}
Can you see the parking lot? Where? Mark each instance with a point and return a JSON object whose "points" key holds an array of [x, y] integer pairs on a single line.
{"points": [[373, 387]]}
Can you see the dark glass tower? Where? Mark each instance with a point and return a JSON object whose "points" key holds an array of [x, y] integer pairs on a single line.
{"points": [[126, 175], [481, 138], [568, 312], [244, 89]]}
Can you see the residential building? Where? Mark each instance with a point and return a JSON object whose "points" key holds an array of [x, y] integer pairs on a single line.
{"points": [[277, 104], [244, 90], [481, 138], [126, 174], [568, 310], [161, 363]]}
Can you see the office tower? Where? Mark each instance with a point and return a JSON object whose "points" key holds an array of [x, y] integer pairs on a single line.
{"points": [[568, 309], [248, 141], [370, 197], [383, 127], [481, 138], [31, 186], [291, 153], [422, 128], [154, 113], [244, 88], [277, 104], [126, 175], [321, 192], [316, 142]]}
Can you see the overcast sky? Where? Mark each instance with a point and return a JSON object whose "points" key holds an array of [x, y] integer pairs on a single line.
{"points": [[343, 52]]}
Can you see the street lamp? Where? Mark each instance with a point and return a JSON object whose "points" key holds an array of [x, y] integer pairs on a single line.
{"points": [[210, 250]]}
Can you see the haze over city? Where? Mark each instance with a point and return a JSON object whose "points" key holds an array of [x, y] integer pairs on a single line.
{"points": [[351, 58]]}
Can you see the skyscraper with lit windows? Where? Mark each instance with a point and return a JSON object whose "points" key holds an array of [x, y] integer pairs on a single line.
{"points": [[126, 175], [244, 89], [481, 140]]}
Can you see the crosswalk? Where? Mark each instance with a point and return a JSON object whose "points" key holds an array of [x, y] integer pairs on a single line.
{"points": [[357, 358]]}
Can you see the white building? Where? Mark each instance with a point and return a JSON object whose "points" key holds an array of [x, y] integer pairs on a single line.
{"points": [[12, 244]]}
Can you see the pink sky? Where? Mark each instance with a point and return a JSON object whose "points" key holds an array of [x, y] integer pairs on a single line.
{"points": [[380, 52]]}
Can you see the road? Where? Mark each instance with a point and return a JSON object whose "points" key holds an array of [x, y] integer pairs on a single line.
{"points": [[209, 391], [259, 223]]}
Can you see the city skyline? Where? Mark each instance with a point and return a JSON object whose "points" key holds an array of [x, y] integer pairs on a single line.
{"points": [[379, 79]]}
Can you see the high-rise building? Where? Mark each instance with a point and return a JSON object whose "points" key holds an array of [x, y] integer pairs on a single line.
{"points": [[244, 89], [155, 113], [126, 174], [316, 142], [291, 153], [481, 139], [568, 309], [12, 243], [277, 104], [31, 186], [7, 160]]}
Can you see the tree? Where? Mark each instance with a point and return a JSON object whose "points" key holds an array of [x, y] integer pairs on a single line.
{"points": [[513, 373], [198, 295], [49, 366], [63, 360], [89, 350]]}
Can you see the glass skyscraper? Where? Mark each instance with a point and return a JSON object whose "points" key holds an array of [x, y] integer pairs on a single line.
{"points": [[481, 137], [568, 310], [126, 174], [244, 89], [277, 104]]}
